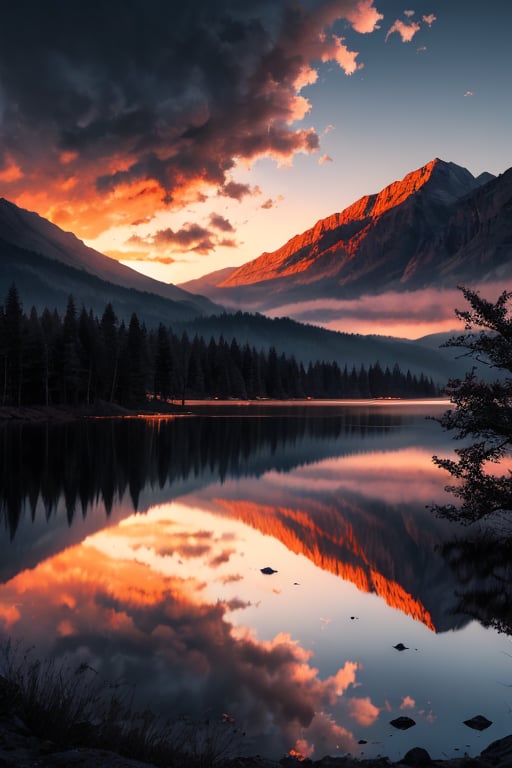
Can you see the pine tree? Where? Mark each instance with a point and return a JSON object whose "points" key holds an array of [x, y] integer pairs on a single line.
{"points": [[13, 348], [482, 413], [109, 353], [35, 367], [70, 356], [163, 364]]}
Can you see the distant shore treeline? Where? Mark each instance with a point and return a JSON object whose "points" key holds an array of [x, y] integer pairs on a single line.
{"points": [[81, 358]]}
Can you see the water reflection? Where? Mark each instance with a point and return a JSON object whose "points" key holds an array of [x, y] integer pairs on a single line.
{"points": [[79, 462], [482, 563], [172, 598]]}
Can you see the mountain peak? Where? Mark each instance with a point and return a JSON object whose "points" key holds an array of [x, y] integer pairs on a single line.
{"points": [[445, 182], [398, 191], [442, 182]]}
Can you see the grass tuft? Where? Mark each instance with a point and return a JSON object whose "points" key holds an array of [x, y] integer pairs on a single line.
{"points": [[75, 707]]}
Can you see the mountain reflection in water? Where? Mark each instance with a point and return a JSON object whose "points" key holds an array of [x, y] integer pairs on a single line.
{"points": [[136, 546]]}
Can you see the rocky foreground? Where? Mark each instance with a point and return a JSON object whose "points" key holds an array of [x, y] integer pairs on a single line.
{"points": [[21, 748]]}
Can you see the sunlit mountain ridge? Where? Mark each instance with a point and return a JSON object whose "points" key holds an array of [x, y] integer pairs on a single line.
{"points": [[348, 229], [48, 265], [436, 228]]}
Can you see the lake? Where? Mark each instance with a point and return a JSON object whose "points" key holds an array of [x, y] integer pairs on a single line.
{"points": [[139, 547]]}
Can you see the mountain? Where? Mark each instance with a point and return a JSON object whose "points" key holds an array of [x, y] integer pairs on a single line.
{"points": [[309, 343], [436, 227], [47, 264]]}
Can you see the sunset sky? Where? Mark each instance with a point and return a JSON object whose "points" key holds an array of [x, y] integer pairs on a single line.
{"points": [[183, 138]]}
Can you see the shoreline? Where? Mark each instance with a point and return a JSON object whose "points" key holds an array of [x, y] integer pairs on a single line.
{"points": [[57, 413], [102, 409], [20, 746]]}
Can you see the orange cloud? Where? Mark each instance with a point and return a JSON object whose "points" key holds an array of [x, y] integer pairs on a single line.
{"points": [[363, 711], [9, 615], [10, 172], [407, 703], [109, 602], [107, 143], [406, 31], [429, 19]]}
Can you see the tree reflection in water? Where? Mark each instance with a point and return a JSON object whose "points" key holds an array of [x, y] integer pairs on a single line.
{"points": [[174, 600], [88, 460], [482, 564]]}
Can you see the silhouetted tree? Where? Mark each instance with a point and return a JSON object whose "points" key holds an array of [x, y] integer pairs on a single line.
{"points": [[77, 360], [35, 363], [163, 364], [109, 355], [69, 356], [90, 350], [482, 413], [12, 343]]}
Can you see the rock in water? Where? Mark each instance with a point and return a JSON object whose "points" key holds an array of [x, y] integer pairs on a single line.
{"points": [[479, 723], [402, 723], [417, 757]]}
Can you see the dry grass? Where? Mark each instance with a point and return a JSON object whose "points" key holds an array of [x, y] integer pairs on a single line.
{"points": [[74, 706]]}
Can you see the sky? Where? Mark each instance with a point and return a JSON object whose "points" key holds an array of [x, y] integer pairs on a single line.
{"points": [[182, 138]]}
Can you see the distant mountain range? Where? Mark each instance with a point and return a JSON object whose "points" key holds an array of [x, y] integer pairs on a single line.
{"points": [[435, 228], [48, 264]]}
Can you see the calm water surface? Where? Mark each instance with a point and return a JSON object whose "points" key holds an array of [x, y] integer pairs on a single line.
{"points": [[137, 545]]}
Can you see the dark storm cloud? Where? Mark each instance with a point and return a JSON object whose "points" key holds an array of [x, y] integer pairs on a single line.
{"points": [[151, 98], [184, 237], [190, 237], [220, 222], [236, 190]]}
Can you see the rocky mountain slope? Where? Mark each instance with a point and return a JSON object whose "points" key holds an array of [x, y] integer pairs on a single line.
{"points": [[48, 264], [436, 227]]}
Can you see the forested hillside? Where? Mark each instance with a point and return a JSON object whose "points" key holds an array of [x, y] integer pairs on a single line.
{"points": [[80, 358]]}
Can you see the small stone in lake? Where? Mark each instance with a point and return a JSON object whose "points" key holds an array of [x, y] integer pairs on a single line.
{"points": [[401, 647], [362, 741], [479, 723], [402, 723], [417, 757], [268, 571]]}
